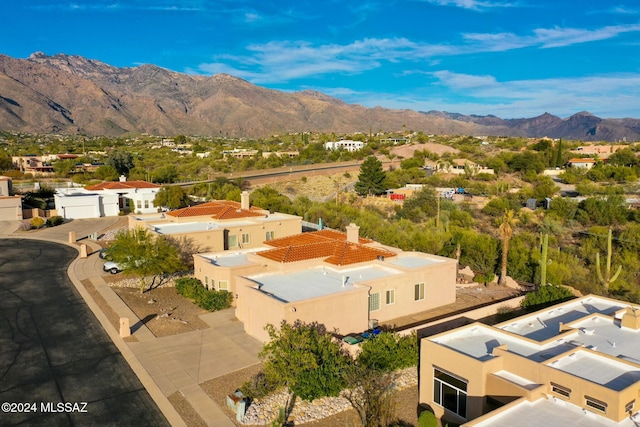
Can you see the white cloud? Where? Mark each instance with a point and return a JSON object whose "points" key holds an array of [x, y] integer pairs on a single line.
{"points": [[471, 4], [614, 95]]}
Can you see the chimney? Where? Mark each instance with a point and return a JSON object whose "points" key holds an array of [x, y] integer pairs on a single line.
{"points": [[631, 318], [123, 178], [244, 200], [353, 234]]}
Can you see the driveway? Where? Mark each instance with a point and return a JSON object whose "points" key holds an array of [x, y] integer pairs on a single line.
{"points": [[53, 350]]}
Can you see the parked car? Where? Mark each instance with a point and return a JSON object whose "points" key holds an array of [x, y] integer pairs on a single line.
{"points": [[104, 253], [112, 267]]}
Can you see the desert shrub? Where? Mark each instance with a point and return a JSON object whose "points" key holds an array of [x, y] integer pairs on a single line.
{"points": [[25, 226], [546, 296], [211, 300], [389, 351], [427, 419], [37, 222], [54, 221], [188, 287], [258, 386]]}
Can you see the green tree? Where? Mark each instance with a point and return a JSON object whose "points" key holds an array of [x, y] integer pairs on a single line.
{"points": [[389, 352], [303, 358], [64, 167], [173, 197], [106, 173], [165, 174], [139, 253], [372, 178], [546, 296], [371, 394], [270, 199], [506, 231], [559, 158], [121, 161], [624, 157]]}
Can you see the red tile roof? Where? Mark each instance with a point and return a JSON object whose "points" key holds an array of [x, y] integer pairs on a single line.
{"points": [[218, 209], [328, 244], [125, 185], [582, 160], [314, 237]]}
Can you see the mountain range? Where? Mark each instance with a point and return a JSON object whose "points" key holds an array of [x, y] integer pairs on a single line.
{"points": [[75, 95]]}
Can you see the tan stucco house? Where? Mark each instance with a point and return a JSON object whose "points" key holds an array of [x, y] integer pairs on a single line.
{"points": [[575, 363], [341, 280], [220, 225]]}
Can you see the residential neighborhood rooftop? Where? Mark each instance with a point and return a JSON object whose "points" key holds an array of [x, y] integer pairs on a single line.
{"points": [[316, 282], [551, 412]]}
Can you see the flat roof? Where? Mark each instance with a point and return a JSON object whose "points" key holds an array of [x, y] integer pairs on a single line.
{"points": [[551, 413], [316, 282], [598, 369], [541, 326], [184, 227], [231, 259], [606, 336], [478, 341], [414, 261]]}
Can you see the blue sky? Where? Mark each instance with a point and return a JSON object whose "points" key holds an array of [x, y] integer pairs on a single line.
{"points": [[510, 58]]}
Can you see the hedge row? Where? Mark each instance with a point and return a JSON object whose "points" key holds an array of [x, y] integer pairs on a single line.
{"points": [[211, 300]]}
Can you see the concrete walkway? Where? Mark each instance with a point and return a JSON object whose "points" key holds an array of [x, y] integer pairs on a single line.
{"points": [[167, 364]]}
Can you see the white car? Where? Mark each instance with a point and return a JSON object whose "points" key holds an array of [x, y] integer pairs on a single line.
{"points": [[112, 267]]}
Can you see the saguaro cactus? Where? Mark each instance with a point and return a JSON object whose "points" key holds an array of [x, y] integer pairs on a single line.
{"points": [[605, 276], [544, 243]]}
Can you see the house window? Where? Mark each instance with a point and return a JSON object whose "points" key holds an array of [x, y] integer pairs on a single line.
{"points": [[374, 302], [450, 392], [246, 239], [628, 408], [223, 285], [139, 204], [232, 241], [206, 281], [418, 291], [596, 404], [561, 390], [391, 296], [146, 204], [270, 235]]}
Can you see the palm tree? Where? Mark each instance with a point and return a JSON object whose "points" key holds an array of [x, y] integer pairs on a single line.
{"points": [[506, 231]]}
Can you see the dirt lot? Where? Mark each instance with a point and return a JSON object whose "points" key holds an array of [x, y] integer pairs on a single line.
{"points": [[161, 309]]}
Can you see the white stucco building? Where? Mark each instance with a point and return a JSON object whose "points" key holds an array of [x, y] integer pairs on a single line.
{"points": [[345, 144], [106, 199]]}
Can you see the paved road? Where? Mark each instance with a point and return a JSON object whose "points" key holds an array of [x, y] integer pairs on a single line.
{"points": [[52, 348]]}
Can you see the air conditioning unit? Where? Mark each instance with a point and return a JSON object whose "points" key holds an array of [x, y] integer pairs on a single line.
{"points": [[373, 323]]}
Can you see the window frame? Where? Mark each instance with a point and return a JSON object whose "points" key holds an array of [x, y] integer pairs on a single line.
{"points": [[419, 292], [233, 237], [392, 300], [245, 238], [439, 384], [561, 390], [270, 235], [596, 404], [374, 301], [223, 285]]}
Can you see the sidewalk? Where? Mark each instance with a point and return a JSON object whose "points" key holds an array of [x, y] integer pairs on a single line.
{"points": [[167, 364]]}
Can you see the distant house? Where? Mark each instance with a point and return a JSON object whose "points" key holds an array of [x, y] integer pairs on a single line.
{"points": [[106, 199], [10, 205], [582, 163], [459, 167], [345, 144]]}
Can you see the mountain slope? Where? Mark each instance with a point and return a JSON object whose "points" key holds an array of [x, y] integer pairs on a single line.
{"points": [[72, 94]]}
